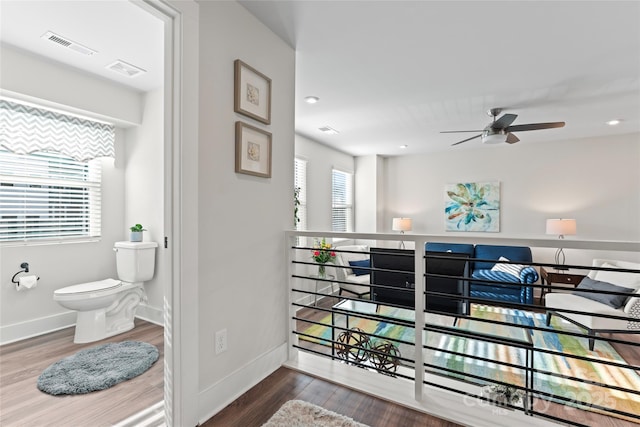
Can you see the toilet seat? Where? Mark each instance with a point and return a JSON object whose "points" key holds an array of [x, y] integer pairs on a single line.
{"points": [[96, 289]]}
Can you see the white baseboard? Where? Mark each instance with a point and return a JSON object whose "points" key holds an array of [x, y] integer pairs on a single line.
{"points": [[34, 327], [219, 395], [150, 314], [44, 325]]}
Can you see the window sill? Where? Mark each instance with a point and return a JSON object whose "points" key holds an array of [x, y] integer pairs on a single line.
{"points": [[45, 242]]}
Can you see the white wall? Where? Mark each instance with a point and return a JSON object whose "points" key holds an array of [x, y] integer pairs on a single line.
{"points": [[369, 194], [594, 180], [320, 161], [242, 276], [54, 84], [29, 78], [144, 194]]}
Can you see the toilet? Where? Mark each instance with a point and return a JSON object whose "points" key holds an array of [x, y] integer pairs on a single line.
{"points": [[107, 307]]}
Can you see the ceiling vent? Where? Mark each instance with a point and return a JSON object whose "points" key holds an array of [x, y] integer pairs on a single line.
{"points": [[126, 69], [64, 42]]}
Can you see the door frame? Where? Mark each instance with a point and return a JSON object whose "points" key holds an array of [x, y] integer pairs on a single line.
{"points": [[180, 207]]}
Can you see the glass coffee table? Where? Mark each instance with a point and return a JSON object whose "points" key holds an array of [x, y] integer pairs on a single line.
{"points": [[470, 328]]}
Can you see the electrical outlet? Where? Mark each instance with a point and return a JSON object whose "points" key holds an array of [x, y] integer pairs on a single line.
{"points": [[221, 341]]}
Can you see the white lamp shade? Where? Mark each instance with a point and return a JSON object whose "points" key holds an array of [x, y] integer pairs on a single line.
{"points": [[561, 227], [401, 224]]}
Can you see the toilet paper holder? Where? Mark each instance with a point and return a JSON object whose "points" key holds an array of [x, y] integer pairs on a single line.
{"points": [[25, 269]]}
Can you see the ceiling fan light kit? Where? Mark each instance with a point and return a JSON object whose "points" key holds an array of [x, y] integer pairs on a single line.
{"points": [[500, 130]]}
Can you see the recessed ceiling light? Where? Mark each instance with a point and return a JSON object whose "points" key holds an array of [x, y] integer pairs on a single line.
{"points": [[404, 146], [311, 99], [614, 122], [328, 130]]}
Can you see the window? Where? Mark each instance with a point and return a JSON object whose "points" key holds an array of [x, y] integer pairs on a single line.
{"points": [[300, 183], [46, 196], [341, 201]]}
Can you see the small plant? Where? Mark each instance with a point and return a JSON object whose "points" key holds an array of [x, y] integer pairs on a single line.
{"points": [[137, 228]]}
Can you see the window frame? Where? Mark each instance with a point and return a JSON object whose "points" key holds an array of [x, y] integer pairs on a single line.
{"points": [[342, 201]]}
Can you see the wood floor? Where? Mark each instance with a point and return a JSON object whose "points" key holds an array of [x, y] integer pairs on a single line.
{"points": [[256, 406], [22, 404]]}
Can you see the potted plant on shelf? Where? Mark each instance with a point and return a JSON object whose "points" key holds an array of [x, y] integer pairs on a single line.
{"points": [[136, 233]]}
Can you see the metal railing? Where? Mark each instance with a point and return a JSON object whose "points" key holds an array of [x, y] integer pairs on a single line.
{"points": [[463, 335]]}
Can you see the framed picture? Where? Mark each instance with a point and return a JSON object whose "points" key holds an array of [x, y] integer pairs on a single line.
{"points": [[472, 206], [252, 93], [253, 150]]}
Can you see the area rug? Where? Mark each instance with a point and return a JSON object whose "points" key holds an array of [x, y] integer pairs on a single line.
{"points": [[98, 368], [592, 371], [298, 413]]}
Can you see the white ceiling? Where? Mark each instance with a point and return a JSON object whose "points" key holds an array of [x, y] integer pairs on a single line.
{"points": [[390, 73], [116, 29]]}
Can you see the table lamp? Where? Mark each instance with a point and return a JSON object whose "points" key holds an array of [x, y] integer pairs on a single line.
{"points": [[561, 227], [401, 225]]}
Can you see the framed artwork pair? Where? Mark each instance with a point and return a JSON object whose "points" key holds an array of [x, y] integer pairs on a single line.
{"points": [[252, 98]]}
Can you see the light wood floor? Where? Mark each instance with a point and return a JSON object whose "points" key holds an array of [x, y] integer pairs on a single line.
{"points": [[256, 406], [22, 404]]}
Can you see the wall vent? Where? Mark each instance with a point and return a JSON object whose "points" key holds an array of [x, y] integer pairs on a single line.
{"points": [[126, 68], [65, 42]]}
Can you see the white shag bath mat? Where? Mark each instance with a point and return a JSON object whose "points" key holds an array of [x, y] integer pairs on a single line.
{"points": [[297, 413]]}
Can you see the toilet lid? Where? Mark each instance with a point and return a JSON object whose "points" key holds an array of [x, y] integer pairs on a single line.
{"points": [[101, 285]]}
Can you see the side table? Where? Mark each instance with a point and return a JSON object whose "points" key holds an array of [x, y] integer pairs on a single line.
{"points": [[549, 277], [326, 278]]}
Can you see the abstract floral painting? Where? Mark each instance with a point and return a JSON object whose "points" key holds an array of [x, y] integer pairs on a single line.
{"points": [[473, 206]]}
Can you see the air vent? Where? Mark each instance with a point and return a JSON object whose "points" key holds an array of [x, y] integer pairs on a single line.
{"points": [[65, 42], [126, 69]]}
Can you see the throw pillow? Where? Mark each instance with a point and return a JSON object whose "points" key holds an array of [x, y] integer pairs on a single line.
{"points": [[360, 263], [615, 301], [634, 313], [512, 269], [617, 277], [634, 300]]}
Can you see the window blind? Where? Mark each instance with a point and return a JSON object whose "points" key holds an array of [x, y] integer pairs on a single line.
{"points": [[48, 196], [300, 182], [342, 201]]}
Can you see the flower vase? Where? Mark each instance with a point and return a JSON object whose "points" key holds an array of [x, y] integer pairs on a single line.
{"points": [[322, 273]]}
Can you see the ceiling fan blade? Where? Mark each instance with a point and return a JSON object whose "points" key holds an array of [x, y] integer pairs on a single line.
{"points": [[504, 121], [468, 139], [512, 139], [459, 131], [534, 126]]}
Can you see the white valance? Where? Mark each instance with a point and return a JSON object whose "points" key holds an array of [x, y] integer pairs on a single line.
{"points": [[25, 129]]}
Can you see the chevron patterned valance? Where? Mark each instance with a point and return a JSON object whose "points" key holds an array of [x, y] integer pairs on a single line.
{"points": [[25, 129]]}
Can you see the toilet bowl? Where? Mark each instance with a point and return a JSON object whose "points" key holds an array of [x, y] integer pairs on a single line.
{"points": [[107, 307]]}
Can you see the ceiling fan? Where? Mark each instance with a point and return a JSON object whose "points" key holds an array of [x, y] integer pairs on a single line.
{"points": [[500, 130]]}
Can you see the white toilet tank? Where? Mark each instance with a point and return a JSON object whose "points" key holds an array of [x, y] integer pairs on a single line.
{"points": [[135, 260]]}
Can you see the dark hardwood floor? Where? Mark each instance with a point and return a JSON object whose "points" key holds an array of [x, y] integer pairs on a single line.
{"points": [[22, 404], [257, 405]]}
